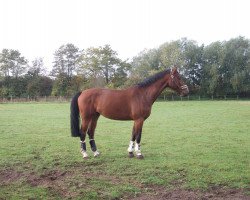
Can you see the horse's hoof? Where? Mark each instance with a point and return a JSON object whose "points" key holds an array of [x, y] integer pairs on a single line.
{"points": [[140, 156], [130, 154], [96, 154], [84, 155]]}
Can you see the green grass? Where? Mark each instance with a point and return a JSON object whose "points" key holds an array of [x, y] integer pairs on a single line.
{"points": [[189, 144]]}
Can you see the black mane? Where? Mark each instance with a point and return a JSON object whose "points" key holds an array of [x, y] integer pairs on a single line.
{"points": [[150, 80]]}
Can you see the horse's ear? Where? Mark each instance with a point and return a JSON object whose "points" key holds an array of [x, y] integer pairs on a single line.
{"points": [[174, 70]]}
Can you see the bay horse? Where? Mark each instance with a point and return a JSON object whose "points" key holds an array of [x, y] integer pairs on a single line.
{"points": [[133, 103]]}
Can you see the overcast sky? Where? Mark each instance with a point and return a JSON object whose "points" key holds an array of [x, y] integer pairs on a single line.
{"points": [[38, 27]]}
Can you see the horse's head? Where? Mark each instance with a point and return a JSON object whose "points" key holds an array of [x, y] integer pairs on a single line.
{"points": [[177, 84]]}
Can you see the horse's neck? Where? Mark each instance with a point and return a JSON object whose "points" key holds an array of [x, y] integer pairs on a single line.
{"points": [[153, 91]]}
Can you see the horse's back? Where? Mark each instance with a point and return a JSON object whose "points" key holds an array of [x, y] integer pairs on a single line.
{"points": [[95, 93]]}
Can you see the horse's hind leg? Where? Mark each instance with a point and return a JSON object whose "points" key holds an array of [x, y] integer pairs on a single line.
{"points": [[91, 133], [84, 128]]}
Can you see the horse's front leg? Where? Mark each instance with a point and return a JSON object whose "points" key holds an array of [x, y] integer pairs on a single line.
{"points": [[131, 146], [136, 138]]}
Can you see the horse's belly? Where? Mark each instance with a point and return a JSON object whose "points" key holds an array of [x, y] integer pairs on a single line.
{"points": [[115, 113], [113, 110], [114, 117]]}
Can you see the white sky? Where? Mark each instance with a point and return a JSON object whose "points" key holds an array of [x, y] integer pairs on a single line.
{"points": [[38, 27]]}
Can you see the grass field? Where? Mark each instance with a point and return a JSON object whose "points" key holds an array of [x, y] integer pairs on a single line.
{"points": [[188, 146]]}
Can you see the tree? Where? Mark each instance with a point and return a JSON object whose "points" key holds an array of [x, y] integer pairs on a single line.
{"points": [[12, 67], [146, 61], [236, 66], [15, 87], [40, 86], [60, 85], [65, 66], [226, 67], [101, 62], [171, 54], [12, 63], [38, 83], [65, 60], [212, 76], [5, 63], [108, 62], [193, 63], [120, 75], [77, 83], [37, 68]]}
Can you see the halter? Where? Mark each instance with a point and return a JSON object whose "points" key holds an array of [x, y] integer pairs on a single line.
{"points": [[183, 87]]}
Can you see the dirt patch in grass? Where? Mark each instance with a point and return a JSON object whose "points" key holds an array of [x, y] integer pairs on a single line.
{"points": [[46, 178], [214, 193], [9, 175], [66, 184], [54, 181], [63, 183]]}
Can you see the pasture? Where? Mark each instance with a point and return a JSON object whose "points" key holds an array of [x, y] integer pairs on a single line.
{"points": [[192, 149]]}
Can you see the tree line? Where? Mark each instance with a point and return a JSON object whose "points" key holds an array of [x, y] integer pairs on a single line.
{"points": [[218, 69]]}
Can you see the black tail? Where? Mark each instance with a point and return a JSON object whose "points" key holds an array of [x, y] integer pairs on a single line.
{"points": [[74, 116]]}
